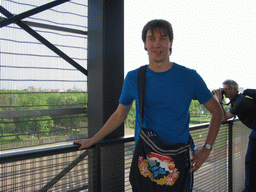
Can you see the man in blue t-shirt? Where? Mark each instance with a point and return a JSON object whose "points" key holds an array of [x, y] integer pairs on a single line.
{"points": [[168, 96], [169, 90]]}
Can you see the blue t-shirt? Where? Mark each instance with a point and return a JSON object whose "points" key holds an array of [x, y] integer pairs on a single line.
{"points": [[167, 99]]}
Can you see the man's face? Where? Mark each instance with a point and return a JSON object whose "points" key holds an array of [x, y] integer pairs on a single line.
{"points": [[229, 91], [158, 45]]}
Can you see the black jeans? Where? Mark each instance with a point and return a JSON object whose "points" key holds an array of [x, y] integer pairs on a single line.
{"points": [[250, 164]]}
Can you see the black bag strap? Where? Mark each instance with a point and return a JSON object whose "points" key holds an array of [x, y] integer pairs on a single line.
{"points": [[141, 90]]}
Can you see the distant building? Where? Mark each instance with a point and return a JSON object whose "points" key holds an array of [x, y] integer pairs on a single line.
{"points": [[241, 89], [57, 90]]}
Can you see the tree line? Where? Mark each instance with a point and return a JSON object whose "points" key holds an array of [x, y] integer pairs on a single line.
{"points": [[30, 99]]}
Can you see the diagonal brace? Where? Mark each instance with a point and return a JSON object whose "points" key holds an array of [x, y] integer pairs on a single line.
{"points": [[45, 42], [64, 171], [31, 12]]}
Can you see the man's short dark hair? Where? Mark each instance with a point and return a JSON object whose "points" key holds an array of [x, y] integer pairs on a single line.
{"points": [[160, 24]]}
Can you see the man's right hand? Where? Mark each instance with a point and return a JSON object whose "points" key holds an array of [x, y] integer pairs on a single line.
{"points": [[115, 120], [218, 95], [85, 143]]}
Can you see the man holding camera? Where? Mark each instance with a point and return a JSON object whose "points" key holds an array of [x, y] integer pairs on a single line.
{"points": [[245, 108]]}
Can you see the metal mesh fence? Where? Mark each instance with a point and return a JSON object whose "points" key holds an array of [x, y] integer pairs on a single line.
{"points": [[35, 173], [213, 175], [129, 149], [240, 142]]}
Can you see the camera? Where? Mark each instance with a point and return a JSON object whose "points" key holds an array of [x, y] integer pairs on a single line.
{"points": [[222, 92]]}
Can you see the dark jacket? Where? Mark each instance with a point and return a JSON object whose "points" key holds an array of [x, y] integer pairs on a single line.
{"points": [[245, 108]]}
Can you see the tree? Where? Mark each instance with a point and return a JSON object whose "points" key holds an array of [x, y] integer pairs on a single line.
{"points": [[72, 99], [4, 98], [194, 107], [2, 125], [30, 100], [68, 121], [41, 125], [130, 121], [2, 129], [13, 98]]}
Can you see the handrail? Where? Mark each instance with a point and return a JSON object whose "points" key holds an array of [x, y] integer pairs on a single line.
{"points": [[48, 151], [34, 153], [205, 125]]}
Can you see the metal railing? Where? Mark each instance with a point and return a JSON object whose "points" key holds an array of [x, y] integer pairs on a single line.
{"points": [[63, 168]]}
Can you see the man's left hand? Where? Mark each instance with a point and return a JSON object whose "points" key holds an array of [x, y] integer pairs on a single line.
{"points": [[199, 158]]}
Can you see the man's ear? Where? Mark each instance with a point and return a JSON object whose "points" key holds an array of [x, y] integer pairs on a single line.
{"points": [[170, 49], [236, 89], [171, 44], [145, 46]]}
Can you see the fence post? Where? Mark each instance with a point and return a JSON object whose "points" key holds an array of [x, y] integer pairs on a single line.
{"points": [[105, 80], [94, 168], [230, 156]]}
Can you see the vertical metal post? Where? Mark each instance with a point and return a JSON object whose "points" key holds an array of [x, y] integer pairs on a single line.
{"points": [[230, 156], [94, 162], [105, 80]]}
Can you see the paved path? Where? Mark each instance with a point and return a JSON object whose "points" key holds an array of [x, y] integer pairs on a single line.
{"points": [[128, 131]]}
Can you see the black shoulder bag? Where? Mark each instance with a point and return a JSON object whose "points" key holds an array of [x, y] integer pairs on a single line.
{"points": [[155, 165]]}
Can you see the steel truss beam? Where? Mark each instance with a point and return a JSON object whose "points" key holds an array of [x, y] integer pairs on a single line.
{"points": [[31, 12], [12, 18]]}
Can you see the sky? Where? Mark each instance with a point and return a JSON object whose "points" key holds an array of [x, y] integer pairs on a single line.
{"points": [[216, 38], [32, 64]]}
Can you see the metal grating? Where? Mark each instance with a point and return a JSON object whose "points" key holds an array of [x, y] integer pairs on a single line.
{"points": [[129, 149], [213, 175], [31, 174], [240, 142]]}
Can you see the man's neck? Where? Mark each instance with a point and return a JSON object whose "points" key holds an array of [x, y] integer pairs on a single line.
{"points": [[233, 97], [160, 67]]}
